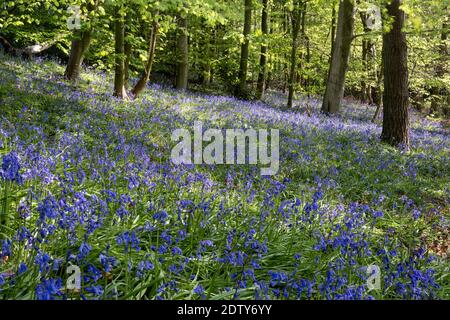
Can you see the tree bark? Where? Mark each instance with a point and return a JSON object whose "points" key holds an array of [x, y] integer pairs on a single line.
{"points": [[243, 66], [336, 76], [285, 66], [395, 60], [304, 40], [368, 57], [379, 95], [206, 61], [142, 82], [271, 70], [364, 57], [296, 22], [78, 49], [262, 76], [333, 28], [183, 54], [119, 72], [127, 51]]}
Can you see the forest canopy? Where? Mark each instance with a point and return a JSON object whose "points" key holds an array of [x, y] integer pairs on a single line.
{"points": [[214, 35]]}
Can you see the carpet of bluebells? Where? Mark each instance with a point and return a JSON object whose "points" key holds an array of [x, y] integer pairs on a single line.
{"points": [[87, 180]]}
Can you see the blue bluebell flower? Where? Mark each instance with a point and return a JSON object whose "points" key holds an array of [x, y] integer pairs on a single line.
{"points": [[10, 168], [49, 289], [22, 268], [96, 290], [199, 290]]}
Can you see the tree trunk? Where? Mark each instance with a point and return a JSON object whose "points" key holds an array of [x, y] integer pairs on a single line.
{"points": [[285, 65], [142, 82], [333, 29], [296, 21], [206, 61], [127, 50], [379, 95], [243, 67], [262, 76], [78, 49], [364, 57], [119, 72], [341, 53], [395, 60], [368, 57], [183, 54], [377, 113], [270, 70], [439, 94], [308, 61], [301, 78]]}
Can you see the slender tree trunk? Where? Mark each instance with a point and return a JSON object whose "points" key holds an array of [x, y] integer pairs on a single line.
{"points": [[262, 76], [142, 82], [215, 54], [119, 72], [270, 70], [438, 94], [127, 51], [285, 64], [206, 62], [242, 90], [395, 60], [126, 67], [368, 56], [301, 78], [183, 54], [379, 95], [341, 53], [296, 21], [308, 60], [364, 78]]}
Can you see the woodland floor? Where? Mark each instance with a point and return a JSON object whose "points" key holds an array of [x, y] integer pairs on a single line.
{"points": [[96, 188]]}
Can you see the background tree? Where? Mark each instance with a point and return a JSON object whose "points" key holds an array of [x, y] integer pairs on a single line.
{"points": [[262, 75], [439, 91], [141, 83], [339, 63], [295, 15], [182, 51], [243, 66], [368, 55], [119, 38]]}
